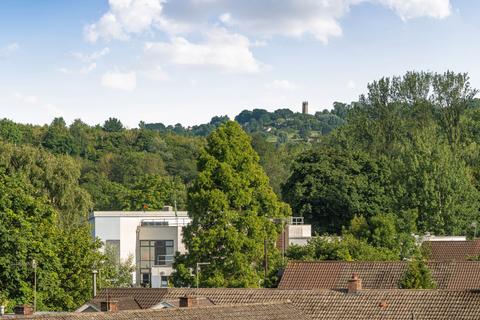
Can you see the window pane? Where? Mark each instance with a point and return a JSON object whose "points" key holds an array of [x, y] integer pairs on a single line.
{"points": [[145, 253], [152, 253], [169, 243]]}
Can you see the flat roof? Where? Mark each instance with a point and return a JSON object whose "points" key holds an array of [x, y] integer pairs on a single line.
{"points": [[139, 214]]}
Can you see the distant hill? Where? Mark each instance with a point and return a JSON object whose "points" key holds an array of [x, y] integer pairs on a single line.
{"points": [[281, 126]]}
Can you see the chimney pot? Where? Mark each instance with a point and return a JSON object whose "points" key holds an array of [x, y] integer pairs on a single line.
{"points": [[354, 284], [188, 301], [109, 306]]}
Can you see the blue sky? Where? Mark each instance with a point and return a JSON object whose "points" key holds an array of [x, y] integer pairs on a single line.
{"points": [[185, 61]]}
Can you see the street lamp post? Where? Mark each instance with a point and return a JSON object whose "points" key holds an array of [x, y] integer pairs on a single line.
{"points": [[34, 265], [198, 269], [94, 272]]}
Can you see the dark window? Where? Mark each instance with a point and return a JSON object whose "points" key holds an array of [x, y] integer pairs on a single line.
{"points": [[164, 282], [158, 252], [145, 279]]}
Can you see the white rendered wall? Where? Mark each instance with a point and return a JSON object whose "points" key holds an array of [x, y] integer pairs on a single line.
{"points": [[107, 228], [126, 227]]}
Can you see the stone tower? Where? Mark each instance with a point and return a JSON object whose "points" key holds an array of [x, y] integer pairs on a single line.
{"points": [[305, 107]]}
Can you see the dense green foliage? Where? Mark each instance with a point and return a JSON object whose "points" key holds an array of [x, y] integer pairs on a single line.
{"points": [[232, 208], [417, 276], [382, 237], [281, 126], [403, 159], [42, 214], [115, 273], [409, 145]]}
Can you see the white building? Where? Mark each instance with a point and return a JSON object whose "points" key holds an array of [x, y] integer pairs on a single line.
{"points": [[150, 237], [297, 232], [153, 237]]}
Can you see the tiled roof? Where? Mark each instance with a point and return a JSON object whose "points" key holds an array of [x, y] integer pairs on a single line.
{"points": [[452, 250], [338, 305], [146, 298], [259, 311], [124, 303], [459, 275]]}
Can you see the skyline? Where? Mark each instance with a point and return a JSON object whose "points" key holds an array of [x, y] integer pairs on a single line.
{"points": [[186, 61]]}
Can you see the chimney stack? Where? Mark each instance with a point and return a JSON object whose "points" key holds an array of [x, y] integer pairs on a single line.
{"points": [[24, 310], [305, 107], [188, 301], [109, 306], [354, 284]]}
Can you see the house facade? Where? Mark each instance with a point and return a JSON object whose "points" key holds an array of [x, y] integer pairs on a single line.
{"points": [[150, 237]]}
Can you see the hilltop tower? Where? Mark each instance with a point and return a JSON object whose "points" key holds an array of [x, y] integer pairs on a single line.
{"points": [[305, 107]]}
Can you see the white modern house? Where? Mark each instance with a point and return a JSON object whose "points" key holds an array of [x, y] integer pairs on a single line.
{"points": [[153, 237], [150, 237]]}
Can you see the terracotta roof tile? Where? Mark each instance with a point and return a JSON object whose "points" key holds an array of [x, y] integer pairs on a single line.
{"points": [[338, 305], [452, 250], [459, 275], [260, 311]]}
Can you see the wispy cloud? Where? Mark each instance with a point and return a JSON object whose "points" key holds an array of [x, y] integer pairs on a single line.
{"points": [[8, 50], [91, 57], [220, 49], [126, 81], [292, 18], [33, 100]]}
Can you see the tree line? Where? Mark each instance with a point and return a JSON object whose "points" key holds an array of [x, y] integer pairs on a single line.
{"points": [[401, 160]]}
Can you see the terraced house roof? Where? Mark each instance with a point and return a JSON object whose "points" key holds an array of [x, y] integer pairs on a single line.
{"points": [[259, 311], [452, 250], [454, 275], [329, 304]]}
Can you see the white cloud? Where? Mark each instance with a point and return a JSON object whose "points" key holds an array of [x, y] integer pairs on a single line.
{"points": [[229, 52], [8, 50], [409, 9], [293, 18], [88, 68], [283, 85], [124, 17], [126, 81], [94, 56]]}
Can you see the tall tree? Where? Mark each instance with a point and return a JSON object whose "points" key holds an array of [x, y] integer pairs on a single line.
{"points": [[113, 125], [232, 207], [328, 186]]}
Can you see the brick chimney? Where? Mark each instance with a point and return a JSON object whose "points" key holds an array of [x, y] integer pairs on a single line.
{"points": [[188, 301], [109, 306], [24, 309], [354, 284]]}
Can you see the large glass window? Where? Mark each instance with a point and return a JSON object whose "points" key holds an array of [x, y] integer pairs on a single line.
{"points": [[156, 253]]}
